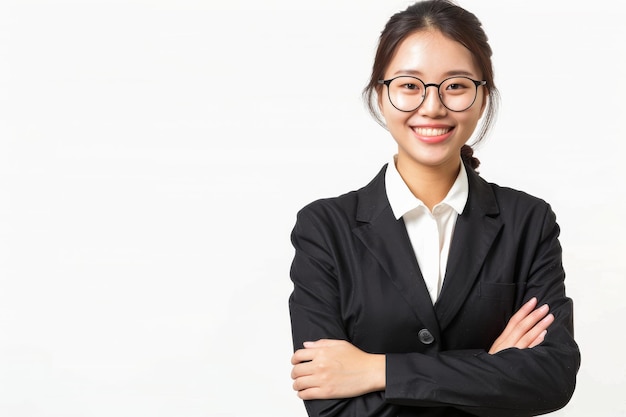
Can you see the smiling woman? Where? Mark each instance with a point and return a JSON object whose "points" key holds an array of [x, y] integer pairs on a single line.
{"points": [[430, 134], [431, 291]]}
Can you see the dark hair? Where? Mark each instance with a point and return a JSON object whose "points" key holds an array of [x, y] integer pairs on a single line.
{"points": [[457, 24]]}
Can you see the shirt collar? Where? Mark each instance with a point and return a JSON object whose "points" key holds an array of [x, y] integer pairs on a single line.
{"points": [[402, 199]]}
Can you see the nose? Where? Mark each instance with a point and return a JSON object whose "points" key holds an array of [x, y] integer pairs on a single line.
{"points": [[432, 105]]}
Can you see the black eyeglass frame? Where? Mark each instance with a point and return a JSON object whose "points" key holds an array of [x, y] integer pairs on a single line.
{"points": [[390, 80]]}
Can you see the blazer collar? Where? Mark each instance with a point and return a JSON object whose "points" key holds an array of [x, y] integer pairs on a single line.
{"points": [[373, 198], [475, 232], [386, 238]]}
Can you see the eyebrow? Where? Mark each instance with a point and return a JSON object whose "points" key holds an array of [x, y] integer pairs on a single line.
{"points": [[446, 74]]}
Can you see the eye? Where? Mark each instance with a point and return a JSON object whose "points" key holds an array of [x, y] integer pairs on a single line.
{"points": [[458, 85], [407, 86], [455, 86]]}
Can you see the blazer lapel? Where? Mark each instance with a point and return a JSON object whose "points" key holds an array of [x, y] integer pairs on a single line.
{"points": [[475, 231], [387, 239]]}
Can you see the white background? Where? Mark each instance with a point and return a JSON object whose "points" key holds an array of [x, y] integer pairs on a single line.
{"points": [[153, 155]]}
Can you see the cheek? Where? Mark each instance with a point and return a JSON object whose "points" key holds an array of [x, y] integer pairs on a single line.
{"points": [[380, 96], [469, 121], [383, 105], [481, 102], [391, 115]]}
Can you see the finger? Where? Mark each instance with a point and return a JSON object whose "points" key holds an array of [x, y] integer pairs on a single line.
{"points": [[321, 343], [534, 318], [302, 355], [314, 393], [538, 340], [524, 326], [524, 311], [302, 369], [531, 335], [519, 325], [519, 315], [304, 383]]}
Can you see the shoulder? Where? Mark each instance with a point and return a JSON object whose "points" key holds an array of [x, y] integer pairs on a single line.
{"points": [[513, 197], [340, 208], [520, 207], [494, 197], [326, 220], [345, 207]]}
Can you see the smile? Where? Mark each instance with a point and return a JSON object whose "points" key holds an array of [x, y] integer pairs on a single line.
{"points": [[431, 131]]}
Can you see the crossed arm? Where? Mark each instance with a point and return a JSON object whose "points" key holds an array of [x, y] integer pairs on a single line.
{"points": [[529, 369], [330, 369]]}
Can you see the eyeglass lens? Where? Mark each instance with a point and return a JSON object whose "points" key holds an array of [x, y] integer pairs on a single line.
{"points": [[408, 93]]}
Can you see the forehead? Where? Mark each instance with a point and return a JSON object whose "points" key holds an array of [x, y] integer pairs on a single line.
{"points": [[431, 54]]}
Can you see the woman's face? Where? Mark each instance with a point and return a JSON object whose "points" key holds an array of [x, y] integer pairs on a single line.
{"points": [[431, 135]]}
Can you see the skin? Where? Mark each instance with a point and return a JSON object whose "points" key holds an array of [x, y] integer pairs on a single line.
{"points": [[429, 161], [429, 142]]}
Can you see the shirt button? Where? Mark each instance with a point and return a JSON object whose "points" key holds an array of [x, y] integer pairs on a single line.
{"points": [[425, 337]]}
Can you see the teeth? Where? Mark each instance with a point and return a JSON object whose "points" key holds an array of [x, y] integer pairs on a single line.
{"points": [[428, 131]]}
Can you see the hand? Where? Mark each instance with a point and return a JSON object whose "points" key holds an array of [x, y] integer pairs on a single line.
{"points": [[526, 329], [328, 369]]}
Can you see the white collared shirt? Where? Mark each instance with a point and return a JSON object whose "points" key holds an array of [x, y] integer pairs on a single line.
{"points": [[430, 232]]}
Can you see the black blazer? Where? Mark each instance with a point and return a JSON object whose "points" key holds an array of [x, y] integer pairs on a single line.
{"points": [[356, 278]]}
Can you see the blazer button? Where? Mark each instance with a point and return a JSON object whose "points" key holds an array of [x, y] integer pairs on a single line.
{"points": [[425, 337]]}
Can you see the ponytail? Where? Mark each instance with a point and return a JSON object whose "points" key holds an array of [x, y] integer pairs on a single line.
{"points": [[467, 154]]}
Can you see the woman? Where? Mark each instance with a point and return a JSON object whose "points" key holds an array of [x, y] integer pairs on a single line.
{"points": [[431, 292]]}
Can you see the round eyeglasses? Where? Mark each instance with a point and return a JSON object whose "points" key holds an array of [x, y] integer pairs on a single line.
{"points": [[408, 93]]}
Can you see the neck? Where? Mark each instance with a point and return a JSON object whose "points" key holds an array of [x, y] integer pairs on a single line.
{"points": [[429, 183]]}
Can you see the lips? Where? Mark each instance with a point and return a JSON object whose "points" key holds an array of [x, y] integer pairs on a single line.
{"points": [[432, 135], [431, 131]]}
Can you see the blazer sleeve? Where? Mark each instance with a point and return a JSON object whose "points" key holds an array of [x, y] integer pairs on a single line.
{"points": [[316, 312], [513, 382]]}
